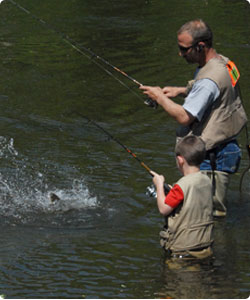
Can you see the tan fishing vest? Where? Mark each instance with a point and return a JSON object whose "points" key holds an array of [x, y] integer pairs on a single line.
{"points": [[227, 116], [191, 227]]}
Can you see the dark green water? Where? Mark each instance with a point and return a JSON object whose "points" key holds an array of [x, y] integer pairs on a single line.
{"points": [[101, 240]]}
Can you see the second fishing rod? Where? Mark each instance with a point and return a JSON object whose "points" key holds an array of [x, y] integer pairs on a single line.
{"points": [[151, 189], [89, 54]]}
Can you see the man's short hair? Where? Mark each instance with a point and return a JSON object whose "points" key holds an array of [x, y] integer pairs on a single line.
{"points": [[199, 31], [192, 148]]}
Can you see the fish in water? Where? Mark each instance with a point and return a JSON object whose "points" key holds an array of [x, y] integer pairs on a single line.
{"points": [[53, 197]]}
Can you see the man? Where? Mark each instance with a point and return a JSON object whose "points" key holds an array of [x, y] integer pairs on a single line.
{"points": [[212, 108]]}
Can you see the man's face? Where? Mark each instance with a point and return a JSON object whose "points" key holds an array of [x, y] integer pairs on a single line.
{"points": [[187, 49]]}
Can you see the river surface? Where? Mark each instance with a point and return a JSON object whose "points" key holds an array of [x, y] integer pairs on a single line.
{"points": [[101, 239]]}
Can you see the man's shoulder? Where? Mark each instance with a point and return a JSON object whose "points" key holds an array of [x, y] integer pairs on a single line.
{"points": [[206, 83], [216, 70], [216, 64]]}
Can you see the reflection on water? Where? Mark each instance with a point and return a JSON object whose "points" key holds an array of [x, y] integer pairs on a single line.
{"points": [[100, 240]]}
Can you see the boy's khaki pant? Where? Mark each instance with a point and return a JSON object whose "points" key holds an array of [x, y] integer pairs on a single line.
{"points": [[221, 185]]}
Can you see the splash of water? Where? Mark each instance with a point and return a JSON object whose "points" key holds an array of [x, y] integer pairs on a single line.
{"points": [[24, 190]]}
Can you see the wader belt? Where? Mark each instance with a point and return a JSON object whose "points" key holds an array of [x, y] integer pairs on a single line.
{"points": [[200, 253]]}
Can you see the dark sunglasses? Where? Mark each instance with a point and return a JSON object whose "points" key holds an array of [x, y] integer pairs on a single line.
{"points": [[185, 49]]}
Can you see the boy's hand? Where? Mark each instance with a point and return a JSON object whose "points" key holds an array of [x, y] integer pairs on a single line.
{"points": [[158, 179]]}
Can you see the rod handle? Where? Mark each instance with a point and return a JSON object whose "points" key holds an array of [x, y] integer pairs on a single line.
{"points": [[167, 188]]}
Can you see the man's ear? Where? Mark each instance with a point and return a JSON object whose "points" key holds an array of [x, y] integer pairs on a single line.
{"points": [[200, 46]]}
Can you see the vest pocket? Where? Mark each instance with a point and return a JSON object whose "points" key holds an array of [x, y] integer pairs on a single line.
{"points": [[193, 237]]}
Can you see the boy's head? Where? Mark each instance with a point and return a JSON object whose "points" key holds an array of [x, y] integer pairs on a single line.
{"points": [[192, 148]]}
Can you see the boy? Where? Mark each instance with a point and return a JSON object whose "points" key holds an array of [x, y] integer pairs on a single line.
{"points": [[188, 205]]}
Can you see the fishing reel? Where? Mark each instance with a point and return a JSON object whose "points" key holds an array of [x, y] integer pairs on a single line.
{"points": [[151, 190], [151, 103]]}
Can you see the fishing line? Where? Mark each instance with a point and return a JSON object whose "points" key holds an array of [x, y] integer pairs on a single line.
{"points": [[89, 54], [245, 176], [244, 179], [89, 121]]}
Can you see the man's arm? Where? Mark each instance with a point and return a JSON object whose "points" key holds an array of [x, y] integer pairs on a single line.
{"points": [[175, 110], [174, 91]]}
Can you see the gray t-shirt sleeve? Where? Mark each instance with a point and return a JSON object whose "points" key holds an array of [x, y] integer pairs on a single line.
{"points": [[203, 93]]}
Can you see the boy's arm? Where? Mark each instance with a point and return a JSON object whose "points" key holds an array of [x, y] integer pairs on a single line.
{"points": [[158, 181]]}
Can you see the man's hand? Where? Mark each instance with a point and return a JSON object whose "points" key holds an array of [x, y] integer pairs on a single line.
{"points": [[153, 92], [175, 110], [174, 91]]}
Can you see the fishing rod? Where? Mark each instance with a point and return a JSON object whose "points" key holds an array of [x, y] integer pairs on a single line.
{"points": [[150, 102], [151, 191], [90, 55]]}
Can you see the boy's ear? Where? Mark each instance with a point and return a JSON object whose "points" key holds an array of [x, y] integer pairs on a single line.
{"points": [[180, 160]]}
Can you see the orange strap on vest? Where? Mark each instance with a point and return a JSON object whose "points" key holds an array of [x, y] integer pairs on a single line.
{"points": [[233, 72]]}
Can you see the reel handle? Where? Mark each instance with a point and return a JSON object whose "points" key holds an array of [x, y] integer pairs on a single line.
{"points": [[151, 103], [151, 190]]}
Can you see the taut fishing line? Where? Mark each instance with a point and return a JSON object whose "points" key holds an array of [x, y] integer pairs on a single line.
{"points": [[89, 54], [151, 189], [245, 176]]}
